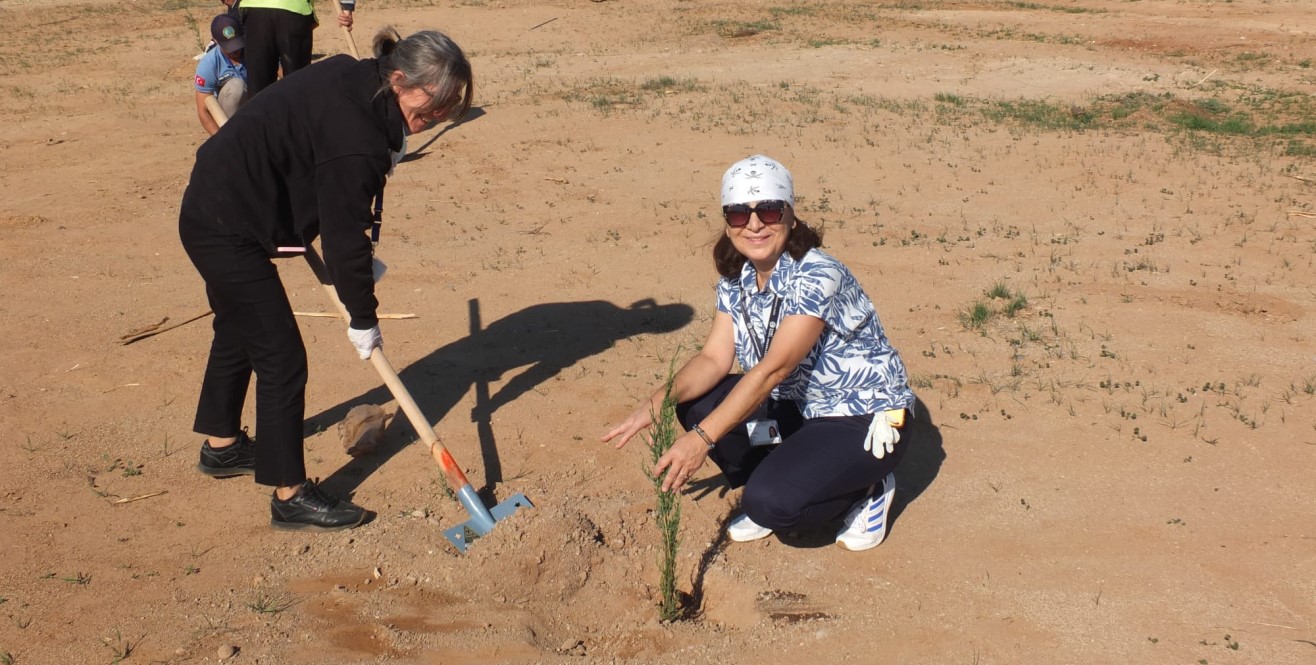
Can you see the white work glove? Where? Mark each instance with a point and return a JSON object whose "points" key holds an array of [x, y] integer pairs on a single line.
{"points": [[378, 268], [882, 434], [365, 341]]}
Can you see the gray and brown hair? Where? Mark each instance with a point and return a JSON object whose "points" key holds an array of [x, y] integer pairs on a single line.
{"points": [[431, 61]]}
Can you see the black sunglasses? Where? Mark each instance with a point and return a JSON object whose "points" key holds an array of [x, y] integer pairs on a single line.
{"points": [[769, 212]]}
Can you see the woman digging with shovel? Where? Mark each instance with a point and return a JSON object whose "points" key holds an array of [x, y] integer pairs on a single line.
{"points": [[813, 427], [304, 159]]}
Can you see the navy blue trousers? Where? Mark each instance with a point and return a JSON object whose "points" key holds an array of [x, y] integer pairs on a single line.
{"points": [[812, 477], [255, 332]]}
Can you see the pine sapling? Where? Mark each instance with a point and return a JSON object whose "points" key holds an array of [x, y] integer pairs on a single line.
{"points": [[668, 513]]}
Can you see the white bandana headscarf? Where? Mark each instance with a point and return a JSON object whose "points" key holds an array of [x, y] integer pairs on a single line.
{"points": [[757, 178]]}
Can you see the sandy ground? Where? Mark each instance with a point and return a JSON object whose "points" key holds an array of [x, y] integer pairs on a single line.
{"points": [[1120, 472]]}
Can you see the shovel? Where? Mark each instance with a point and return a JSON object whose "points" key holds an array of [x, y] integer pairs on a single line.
{"points": [[349, 5], [482, 519]]}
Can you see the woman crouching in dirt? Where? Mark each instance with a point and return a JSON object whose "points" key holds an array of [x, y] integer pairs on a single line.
{"points": [[304, 159], [812, 428]]}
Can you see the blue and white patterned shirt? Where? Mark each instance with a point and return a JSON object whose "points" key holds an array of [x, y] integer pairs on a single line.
{"points": [[852, 370]]}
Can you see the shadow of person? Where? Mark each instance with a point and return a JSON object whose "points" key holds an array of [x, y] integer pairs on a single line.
{"points": [[922, 462], [419, 153], [544, 339]]}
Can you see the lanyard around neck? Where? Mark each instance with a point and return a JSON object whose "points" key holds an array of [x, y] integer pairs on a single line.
{"points": [[768, 334]]}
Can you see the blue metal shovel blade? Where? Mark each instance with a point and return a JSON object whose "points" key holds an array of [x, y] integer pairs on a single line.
{"points": [[461, 535]]}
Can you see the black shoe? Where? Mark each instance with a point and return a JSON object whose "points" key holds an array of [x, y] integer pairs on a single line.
{"points": [[238, 459], [310, 509]]}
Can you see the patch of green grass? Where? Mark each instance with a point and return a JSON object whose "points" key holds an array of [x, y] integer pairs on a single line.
{"points": [[265, 603], [1013, 301], [171, 5], [603, 94], [744, 28], [194, 29], [976, 316], [1211, 124], [1038, 113], [122, 648], [667, 83], [920, 381], [1056, 8], [1236, 124], [1015, 304], [791, 11], [606, 94], [1010, 34]]}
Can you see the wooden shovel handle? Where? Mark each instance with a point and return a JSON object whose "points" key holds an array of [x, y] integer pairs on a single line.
{"points": [[456, 478], [216, 111], [351, 42]]}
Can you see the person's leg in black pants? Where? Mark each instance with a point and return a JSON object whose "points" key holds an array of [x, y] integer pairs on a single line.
{"points": [[254, 331], [818, 471], [274, 39], [260, 53], [295, 35], [733, 454], [255, 319], [816, 474]]}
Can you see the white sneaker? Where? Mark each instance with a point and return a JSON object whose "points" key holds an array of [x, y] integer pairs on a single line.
{"points": [[865, 524], [743, 529]]}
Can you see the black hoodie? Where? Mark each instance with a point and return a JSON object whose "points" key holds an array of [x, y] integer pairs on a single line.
{"points": [[305, 158]]}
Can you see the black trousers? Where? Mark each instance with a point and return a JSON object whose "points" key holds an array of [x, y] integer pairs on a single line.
{"points": [[255, 331], [274, 38], [812, 477]]}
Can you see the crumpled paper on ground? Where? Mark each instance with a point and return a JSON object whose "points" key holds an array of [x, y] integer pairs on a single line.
{"points": [[362, 430]]}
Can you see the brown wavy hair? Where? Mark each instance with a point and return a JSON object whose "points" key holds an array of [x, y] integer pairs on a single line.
{"points": [[802, 238]]}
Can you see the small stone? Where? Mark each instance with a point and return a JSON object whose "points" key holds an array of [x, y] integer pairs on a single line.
{"points": [[180, 651], [226, 651], [303, 549], [257, 580], [419, 513], [568, 645]]}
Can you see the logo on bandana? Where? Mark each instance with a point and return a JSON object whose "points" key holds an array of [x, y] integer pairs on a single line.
{"points": [[229, 32]]}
